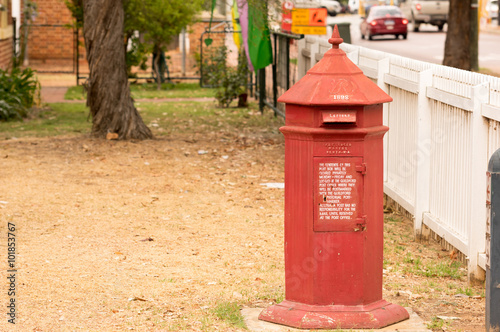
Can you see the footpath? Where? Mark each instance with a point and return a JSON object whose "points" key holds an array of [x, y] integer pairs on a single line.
{"points": [[54, 87]]}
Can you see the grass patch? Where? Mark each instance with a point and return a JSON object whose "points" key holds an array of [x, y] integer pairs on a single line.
{"points": [[58, 119], [197, 117], [149, 91], [163, 118], [230, 313], [436, 324], [432, 268]]}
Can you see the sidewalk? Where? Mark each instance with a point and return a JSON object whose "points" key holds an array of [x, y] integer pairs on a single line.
{"points": [[492, 28], [54, 86]]}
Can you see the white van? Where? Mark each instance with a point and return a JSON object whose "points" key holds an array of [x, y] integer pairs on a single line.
{"points": [[332, 6], [353, 6], [433, 12]]}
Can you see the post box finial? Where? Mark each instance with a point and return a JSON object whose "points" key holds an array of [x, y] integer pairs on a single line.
{"points": [[335, 40]]}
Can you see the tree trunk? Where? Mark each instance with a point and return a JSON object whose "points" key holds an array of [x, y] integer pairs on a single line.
{"points": [[457, 49], [108, 93]]}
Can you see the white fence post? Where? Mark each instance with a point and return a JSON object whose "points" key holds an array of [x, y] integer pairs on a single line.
{"points": [[423, 153], [383, 67], [302, 65], [314, 49], [479, 144]]}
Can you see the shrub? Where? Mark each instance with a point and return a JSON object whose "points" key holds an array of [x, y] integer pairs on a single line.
{"points": [[231, 82], [19, 92]]}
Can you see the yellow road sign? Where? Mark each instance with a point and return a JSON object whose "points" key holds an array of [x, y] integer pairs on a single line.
{"points": [[308, 30], [309, 21]]}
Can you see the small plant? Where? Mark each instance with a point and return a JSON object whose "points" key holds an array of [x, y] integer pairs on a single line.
{"points": [[443, 269], [19, 92], [467, 291], [231, 82], [436, 324], [230, 312]]}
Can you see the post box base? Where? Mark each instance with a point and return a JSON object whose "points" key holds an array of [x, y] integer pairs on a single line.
{"points": [[373, 316]]}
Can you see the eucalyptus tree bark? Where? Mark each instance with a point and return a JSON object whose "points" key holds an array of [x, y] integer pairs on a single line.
{"points": [[457, 49], [108, 92]]}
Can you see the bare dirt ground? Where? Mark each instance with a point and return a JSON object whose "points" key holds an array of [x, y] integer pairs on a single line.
{"points": [[152, 235]]}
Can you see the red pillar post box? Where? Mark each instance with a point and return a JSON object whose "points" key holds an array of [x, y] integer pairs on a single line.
{"points": [[334, 200]]}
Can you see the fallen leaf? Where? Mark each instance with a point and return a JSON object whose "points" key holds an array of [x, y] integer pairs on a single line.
{"points": [[447, 318], [135, 298], [111, 136]]}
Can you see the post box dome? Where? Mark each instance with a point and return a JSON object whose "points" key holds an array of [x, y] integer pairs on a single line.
{"points": [[335, 80]]}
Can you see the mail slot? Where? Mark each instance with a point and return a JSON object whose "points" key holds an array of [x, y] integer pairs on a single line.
{"points": [[335, 116], [334, 200]]}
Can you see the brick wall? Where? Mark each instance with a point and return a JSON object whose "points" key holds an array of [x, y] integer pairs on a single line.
{"points": [[52, 45], [48, 37], [5, 53], [6, 35]]}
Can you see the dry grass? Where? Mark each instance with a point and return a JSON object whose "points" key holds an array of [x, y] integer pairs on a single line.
{"points": [[157, 235]]}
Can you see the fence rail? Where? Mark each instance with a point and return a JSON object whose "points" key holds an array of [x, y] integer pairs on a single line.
{"points": [[444, 126]]}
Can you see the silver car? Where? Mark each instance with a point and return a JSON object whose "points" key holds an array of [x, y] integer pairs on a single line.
{"points": [[492, 9], [332, 7]]}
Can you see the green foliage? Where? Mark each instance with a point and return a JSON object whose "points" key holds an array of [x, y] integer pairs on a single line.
{"points": [[231, 82], [19, 92], [230, 312], [76, 9], [149, 24], [137, 54], [159, 20]]}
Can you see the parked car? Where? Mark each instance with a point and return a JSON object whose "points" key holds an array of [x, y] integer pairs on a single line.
{"points": [[384, 20], [492, 9], [433, 12], [353, 6], [332, 7]]}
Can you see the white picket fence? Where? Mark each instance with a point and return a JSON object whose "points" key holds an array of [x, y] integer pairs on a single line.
{"points": [[444, 126]]}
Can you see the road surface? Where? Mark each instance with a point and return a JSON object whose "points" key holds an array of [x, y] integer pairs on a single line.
{"points": [[426, 45]]}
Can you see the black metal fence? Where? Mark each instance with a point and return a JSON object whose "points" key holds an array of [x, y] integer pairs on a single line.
{"points": [[283, 72]]}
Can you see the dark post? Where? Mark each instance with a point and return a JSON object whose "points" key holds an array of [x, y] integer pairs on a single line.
{"points": [[493, 245], [275, 82], [288, 64], [14, 37], [77, 45], [262, 89], [474, 36]]}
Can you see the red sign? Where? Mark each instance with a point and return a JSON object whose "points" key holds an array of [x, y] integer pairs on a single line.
{"points": [[317, 17], [286, 16]]}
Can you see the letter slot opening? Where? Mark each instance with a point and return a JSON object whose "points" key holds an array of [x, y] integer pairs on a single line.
{"points": [[333, 117]]}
